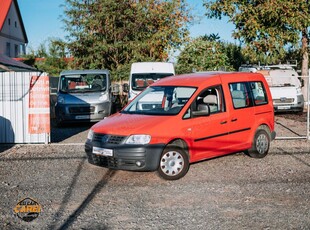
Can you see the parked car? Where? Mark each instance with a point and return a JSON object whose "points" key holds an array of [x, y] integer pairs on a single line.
{"points": [[83, 96], [190, 118]]}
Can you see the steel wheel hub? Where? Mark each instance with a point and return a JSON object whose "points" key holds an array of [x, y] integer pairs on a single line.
{"points": [[172, 163], [262, 144]]}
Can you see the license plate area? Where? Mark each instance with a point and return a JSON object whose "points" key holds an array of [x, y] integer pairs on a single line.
{"points": [[82, 117], [103, 151], [284, 107]]}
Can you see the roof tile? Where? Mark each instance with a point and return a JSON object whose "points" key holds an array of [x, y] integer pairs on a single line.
{"points": [[4, 10]]}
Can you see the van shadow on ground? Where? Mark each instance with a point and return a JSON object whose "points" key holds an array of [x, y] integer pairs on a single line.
{"points": [[7, 135], [73, 133]]}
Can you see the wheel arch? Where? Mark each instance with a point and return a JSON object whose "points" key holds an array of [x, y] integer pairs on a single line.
{"points": [[180, 143], [265, 127]]}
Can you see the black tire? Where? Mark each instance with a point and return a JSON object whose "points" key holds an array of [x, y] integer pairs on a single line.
{"points": [[173, 164], [261, 143], [59, 123]]}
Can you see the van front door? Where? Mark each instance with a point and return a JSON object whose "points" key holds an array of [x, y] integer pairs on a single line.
{"points": [[208, 134]]}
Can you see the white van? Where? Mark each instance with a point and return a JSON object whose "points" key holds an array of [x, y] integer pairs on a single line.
{"points": [[285, 89], [143, 74], [83, 96]]}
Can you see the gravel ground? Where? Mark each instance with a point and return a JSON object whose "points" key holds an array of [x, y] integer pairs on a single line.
{"points": [[231, 192]]}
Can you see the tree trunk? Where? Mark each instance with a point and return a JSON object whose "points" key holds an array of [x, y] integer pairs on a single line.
{"points": [[305, 63]]}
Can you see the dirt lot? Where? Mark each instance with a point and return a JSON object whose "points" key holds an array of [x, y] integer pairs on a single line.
{"points": [[231, 192]]}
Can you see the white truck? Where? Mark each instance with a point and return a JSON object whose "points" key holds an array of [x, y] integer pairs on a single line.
{"points": [[143, 74]]}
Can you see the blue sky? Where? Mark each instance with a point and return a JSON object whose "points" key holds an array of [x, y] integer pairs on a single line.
{"points": [[42, 21]]}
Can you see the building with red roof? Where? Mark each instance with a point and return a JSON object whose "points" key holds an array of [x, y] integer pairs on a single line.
{"points": [[13, 37]]}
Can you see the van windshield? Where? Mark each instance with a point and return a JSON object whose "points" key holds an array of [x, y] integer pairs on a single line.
{"points": [[283, 81], [160, 100], [79, 83], [140, 81], [282, 78]]}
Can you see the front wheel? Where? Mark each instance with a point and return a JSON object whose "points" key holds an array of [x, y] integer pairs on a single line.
{"points": [[174, 163], [261, 143]]}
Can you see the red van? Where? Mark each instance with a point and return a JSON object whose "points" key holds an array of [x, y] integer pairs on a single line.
{"points": [[180, 120]]}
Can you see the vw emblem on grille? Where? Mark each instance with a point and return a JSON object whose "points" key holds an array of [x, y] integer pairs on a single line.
{"points": [[105, 139]]}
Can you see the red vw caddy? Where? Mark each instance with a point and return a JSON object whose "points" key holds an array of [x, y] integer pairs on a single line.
{"points": [[184, 119]]}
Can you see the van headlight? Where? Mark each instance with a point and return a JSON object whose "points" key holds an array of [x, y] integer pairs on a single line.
{"points": [[138, 139], [103, 97], [90, 134], [60, 99], [298, 90]]}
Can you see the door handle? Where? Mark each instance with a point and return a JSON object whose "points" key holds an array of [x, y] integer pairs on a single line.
{"points": [[234, 119], [223, 122]]}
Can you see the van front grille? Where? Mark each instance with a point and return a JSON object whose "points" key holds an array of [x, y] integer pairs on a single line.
{"points": [[82, 110], [109, 139], [283, 100]]}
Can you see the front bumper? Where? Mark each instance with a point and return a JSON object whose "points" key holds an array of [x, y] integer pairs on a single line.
{"points": [[290, 107], [126, 157], [82, 113]]}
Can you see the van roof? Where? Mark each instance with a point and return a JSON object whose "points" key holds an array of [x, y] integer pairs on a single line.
{"points": [[198, 79], [152, 63], [88, 71], [152, 67]]}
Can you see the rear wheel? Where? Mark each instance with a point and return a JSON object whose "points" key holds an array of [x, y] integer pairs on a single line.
{"points": [[261, 143], [174, 163]]}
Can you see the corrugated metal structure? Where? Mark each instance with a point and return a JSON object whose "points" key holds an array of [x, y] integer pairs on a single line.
{"points": [[15, 109]]}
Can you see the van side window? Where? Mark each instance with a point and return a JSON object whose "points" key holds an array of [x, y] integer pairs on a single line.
{"points": [[259, 93], [240, 95], [211, 97], [248, 94]]}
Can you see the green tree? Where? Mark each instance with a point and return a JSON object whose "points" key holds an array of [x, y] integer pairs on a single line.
{"points": [[202, 54], [50, 58], [112, 34], [234, 55], [212, 37], [267, 26], [251, 55]]}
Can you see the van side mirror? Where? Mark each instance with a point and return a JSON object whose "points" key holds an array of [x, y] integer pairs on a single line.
{"points": [[302, 82], [125, 88], [115, 89], [201, 113]]}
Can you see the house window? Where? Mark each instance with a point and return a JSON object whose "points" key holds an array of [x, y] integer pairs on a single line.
{"points": [[9, 21], [15, 24], [22, 49], [16, 51], [8, 49]]}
